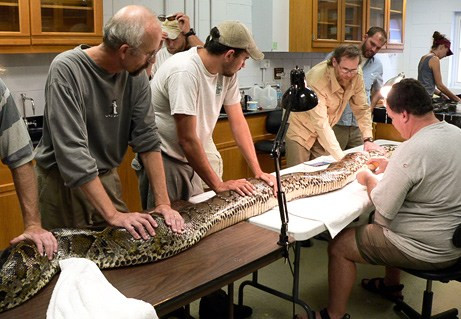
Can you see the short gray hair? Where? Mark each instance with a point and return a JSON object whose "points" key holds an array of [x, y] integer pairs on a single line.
{"points": [[126, 28]]}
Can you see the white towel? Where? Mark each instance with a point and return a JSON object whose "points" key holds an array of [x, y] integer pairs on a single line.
{"points": [[82, 291]]}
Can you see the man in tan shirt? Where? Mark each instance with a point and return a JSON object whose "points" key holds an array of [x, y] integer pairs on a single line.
{"points": [[336, 82]]}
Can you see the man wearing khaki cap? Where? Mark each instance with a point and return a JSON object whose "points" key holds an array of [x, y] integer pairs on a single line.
{"points": [[188, 91], [177, 35]]}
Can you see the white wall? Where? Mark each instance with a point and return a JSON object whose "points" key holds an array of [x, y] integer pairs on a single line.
{"points": [[423, 18]]}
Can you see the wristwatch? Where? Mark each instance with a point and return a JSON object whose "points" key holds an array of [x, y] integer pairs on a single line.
{"points": [[188, 34], [368, 139]]}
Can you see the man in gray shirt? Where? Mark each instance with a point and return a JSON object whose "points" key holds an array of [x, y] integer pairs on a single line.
{"points": [[417, 202], [16, 152], [98, 103], [346, 130]]}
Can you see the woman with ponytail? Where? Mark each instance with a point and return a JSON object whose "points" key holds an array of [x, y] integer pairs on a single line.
{"points": [[429, 68]]}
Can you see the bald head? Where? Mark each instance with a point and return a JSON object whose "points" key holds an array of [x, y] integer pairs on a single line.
{"points": [[131, 25]]}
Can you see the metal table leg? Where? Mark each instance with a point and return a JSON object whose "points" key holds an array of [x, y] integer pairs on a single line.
{"points": [[295, 293]]}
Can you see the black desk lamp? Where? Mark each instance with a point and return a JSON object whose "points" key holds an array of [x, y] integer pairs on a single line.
{"points": [[298, 98]]}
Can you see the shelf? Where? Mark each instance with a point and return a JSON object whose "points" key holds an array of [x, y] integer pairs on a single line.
{"points": [[376, 8], [353, 5], [353, 25], [56, 6], [396, 11], [327, 23], [8, 4]]}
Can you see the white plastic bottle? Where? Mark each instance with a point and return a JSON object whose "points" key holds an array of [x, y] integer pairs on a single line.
{"points": [[268, 98], [279, 95], [254, 92]]}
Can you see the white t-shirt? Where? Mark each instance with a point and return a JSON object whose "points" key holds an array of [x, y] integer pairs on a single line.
{"points": [[183, 85], [420, 194], [160, 58]]}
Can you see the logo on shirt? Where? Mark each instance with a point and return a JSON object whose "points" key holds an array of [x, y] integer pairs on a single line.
{"points": [[219, 85], [113, 109]]}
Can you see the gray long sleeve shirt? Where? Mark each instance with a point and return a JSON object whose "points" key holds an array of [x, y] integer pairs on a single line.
{"points": [[91, 116]]}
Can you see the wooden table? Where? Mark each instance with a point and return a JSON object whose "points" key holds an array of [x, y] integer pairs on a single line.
{"points": [[216, 261]]}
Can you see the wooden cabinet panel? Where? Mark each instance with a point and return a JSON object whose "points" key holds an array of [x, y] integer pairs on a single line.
{"points": [[387, 132], [11, 224], [51, 26], [326, 23], [389, 15], [14, 22], [129, 180], [396, 24], [321, 25], [234, 163]]}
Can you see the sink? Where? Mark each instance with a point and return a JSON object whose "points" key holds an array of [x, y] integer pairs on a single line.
{"points": [[35, 128]]}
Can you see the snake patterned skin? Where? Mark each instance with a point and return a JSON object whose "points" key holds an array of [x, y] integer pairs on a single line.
{"points": [[24, 272]]}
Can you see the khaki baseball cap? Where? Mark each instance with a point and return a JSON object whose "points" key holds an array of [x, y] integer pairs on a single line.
{"points": [[235, 34], [171, 28]]}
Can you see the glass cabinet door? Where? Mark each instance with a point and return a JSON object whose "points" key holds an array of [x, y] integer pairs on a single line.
{"points": [[66, 22], [14, 22], [377, 13], [327, 20], [396, 22], [353, 20], [67, 16], [9, 16]]}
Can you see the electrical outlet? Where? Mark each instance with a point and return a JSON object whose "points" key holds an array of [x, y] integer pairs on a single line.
{"points": [[265, 64]]}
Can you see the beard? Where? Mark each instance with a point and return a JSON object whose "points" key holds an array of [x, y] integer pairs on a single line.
{"points": [[229, 70], [367, 53]]}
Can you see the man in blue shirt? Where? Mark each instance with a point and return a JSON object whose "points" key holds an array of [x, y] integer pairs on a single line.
{"points": [[346, 130]]}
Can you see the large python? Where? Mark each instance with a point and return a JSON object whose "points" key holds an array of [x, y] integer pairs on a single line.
{"points": [[24, 272]]}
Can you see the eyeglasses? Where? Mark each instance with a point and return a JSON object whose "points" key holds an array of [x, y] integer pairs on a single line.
{"points": [[150, 55], [347, 71], [163, 17]]}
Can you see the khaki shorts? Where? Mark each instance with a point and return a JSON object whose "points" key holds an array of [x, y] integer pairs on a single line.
{"points": [[297, 153], [376, 249], [348, 136], [64, 207]]}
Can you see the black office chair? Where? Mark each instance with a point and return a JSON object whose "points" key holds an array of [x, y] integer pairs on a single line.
{"points": [[273, 122], [444, 275]]}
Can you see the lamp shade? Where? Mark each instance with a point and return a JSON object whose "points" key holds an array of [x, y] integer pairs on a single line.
{"points": [[299, 97], [389, 83]]}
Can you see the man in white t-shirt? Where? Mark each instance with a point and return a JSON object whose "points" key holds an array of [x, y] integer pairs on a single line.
{"points": [[188, 91], [178, 36]]}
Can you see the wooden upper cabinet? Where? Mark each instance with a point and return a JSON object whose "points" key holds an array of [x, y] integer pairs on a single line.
{"points": [[49, 25], [321, 25], [14, 22], [337, 21], [396, 25], [389, 15]]}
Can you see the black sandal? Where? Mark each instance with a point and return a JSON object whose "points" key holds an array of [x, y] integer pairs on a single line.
{"points": [[377, 286], [325, 315]]}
